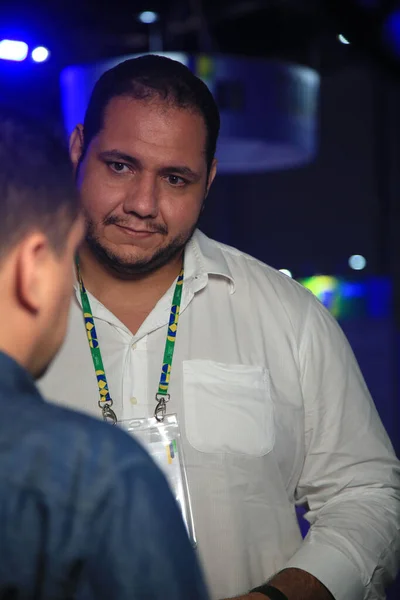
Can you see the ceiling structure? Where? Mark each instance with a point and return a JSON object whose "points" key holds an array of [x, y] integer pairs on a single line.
{"points": [[304, 31], [86, 31]]}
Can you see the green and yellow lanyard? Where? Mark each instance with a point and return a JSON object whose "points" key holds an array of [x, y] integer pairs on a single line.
{"points": [[162, 396]]}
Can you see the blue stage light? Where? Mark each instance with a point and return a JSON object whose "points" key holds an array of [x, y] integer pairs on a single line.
{"points": [[391, 31]]}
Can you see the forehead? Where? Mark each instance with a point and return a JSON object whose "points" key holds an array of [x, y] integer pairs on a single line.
{"points": [[153, 129]]}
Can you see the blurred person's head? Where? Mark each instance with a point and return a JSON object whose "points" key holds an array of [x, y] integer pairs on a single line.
{"points": [[144, 162], [40, 229]]}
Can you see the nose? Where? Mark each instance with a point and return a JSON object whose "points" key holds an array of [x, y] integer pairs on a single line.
{"points": [[142, 198]]}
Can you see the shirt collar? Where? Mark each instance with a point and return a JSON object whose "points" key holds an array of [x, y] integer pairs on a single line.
{"points": [[14, 379], [204, 257]]}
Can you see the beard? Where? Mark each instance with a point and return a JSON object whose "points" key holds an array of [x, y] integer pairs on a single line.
{"points": [[130, 268]]}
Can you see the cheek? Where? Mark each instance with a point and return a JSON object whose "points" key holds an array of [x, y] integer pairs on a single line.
{"points": [[65, 280], [181, 213], [57, 311], [99, 199], [64, 304]]}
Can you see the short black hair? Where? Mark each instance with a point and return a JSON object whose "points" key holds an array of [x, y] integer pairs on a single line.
{"points": [[37, 190], [147, 77]]}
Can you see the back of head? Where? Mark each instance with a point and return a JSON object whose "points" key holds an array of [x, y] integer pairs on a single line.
{"points": [[40, 229], [37, 190], [149, 77]]}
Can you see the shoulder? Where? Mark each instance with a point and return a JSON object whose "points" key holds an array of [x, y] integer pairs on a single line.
{"points": [[91, 437], [73, 458], [254, 278]]}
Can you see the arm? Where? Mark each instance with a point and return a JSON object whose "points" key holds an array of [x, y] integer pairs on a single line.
{"points": [[350, 480], [142, 549]]}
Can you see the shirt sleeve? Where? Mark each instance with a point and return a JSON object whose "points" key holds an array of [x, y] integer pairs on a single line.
{"points": [[141, 548], [350, 482]]}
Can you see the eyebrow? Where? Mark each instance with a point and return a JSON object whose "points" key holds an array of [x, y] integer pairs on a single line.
{"points": [[116, 155]]}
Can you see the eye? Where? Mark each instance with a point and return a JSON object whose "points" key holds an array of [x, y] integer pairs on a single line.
{"points": [[118, 167], [176, 181]]}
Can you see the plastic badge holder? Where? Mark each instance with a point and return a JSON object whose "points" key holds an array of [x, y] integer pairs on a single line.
{"points": [[162, 441]]}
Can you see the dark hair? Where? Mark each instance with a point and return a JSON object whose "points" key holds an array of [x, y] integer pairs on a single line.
{"points": [[37, 188], [149, 76]]}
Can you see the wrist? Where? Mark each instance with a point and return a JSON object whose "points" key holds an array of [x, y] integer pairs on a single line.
{"points": [[269, 591]]}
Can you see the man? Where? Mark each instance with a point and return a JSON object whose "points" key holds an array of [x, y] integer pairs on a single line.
{"points": [[85, 513], [272, 407]]}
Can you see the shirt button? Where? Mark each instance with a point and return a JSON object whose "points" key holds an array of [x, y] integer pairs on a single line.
{"points": [[133, 400], [134, 346]]}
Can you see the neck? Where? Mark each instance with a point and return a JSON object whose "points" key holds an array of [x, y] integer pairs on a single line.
{"points": [[131, 300], [13, 344], [18, 332]]}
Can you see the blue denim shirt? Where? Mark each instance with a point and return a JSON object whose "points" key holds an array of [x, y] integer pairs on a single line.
{"points": [[84, 512]]}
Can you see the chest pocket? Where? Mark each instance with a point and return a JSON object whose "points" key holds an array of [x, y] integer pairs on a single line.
{"points": [[228, 408]]}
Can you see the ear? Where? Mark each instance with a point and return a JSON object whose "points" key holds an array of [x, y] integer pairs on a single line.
{"points": [[33, 271], [212, 174], [76, 146]]}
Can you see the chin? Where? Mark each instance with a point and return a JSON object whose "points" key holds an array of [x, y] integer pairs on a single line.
{"points": [[132, 264], [131, 258]]}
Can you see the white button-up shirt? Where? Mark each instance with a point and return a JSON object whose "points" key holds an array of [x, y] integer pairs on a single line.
{"points": [[273, 412]]}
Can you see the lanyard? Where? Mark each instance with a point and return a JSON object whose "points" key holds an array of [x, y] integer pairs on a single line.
{"points": [[162, 396]]}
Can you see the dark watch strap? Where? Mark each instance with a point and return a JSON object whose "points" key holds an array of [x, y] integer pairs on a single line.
{"points": [[272, 592]]}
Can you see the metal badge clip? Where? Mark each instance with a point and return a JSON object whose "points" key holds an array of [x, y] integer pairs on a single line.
{"points": [[161, 407], [108, 414]]}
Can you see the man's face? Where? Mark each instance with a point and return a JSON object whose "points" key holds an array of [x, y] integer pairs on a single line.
{"points": [[57, 288], [143, 182]]}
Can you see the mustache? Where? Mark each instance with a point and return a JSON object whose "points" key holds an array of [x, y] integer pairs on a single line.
{"points": [[150, 228]]}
